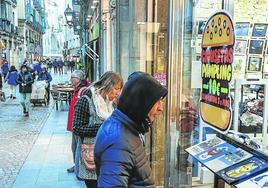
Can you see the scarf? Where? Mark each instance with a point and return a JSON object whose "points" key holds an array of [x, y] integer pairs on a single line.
{"points": [[104, 107]]}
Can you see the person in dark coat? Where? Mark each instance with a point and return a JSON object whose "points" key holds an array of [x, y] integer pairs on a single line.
{"points": [[25, 81], [44, 75], [119, 152], [11, 81], [60, 66]]}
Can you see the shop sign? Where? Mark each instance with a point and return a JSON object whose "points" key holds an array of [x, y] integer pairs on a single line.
{"points": [[217, 58], [161, 78]]}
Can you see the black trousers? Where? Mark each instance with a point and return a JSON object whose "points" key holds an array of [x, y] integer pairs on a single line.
{"points": [[48, 94], [91, 183], [1, 82]]}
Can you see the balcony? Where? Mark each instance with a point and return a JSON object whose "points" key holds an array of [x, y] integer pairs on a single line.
{"points": [[37, 5], [38, 27]]}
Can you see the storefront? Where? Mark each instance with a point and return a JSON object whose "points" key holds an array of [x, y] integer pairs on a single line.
{"points": [[165, 40]]}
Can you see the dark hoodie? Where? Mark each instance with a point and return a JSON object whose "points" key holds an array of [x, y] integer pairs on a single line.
{"points": [[139, 95], [119, 153], [25, 81]]}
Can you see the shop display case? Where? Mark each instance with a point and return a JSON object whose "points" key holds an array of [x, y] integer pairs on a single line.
{"points": [[229, 159]]}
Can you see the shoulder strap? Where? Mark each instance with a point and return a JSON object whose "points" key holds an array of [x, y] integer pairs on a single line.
{"points": [[81, 91], [87, 97]]}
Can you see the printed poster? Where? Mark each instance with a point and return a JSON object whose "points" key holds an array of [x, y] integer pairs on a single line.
{"points": [[260, 181], [243, 170], [232, 156], [203, 146], [217, 59]]}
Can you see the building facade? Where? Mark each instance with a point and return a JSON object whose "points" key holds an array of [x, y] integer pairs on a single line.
{"points": [[9, 37], [32, 25]]}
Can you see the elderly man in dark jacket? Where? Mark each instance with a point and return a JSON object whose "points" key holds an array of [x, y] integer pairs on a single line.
{"points": [[25, 81], [119, 152]]}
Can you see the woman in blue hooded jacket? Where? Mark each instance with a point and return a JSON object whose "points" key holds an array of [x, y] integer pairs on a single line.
{"points": [[11, 80], [119, 152]]}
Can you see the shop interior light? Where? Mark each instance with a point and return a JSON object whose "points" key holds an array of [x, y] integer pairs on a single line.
{"points": [[95, 1], [93, 6]]}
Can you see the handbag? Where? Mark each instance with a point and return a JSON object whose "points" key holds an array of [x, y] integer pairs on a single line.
{"points": [[87, 151]]}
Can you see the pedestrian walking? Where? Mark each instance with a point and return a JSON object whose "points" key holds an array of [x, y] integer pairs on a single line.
{"points": [[72, 65], [25, 81], [45, 76], [80, 84], [11, 81], [55, 65], [91, 110], [4, 68], [49, 65], [60, 67], [120, 156]]}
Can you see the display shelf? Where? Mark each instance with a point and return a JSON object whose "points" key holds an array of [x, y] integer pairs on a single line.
{"points": [[229, 160]]}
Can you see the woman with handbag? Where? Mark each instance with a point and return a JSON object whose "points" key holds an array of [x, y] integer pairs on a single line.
{"points": [[95, 106]]}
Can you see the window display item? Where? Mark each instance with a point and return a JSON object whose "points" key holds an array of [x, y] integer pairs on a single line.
{"points": [[256, 47], [254, 64], [239, 67], [217, 52], [217, 151], [242, 170], [265, 66], [259, 30], [201, 27], [240, 47], [259, 181], [205, 145], [242, 29]]}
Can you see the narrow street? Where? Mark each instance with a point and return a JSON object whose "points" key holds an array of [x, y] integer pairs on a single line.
{"points": [[21, 143]]}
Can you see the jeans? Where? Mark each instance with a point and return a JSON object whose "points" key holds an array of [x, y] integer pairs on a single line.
{"points": [[74, 145], [25, 100], [13, 90]]}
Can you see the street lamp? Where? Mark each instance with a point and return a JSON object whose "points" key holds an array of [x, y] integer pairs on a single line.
{"points": [[69, 15]]}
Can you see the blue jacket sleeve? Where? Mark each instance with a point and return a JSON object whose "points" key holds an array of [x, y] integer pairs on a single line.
{"points": [[113, 161]]}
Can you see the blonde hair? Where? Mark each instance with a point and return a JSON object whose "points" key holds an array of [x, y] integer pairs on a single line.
{"points": [[107, 81]]}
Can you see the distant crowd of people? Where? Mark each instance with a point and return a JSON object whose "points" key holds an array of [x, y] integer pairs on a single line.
{"points": [[25, 78], [58, 65]]}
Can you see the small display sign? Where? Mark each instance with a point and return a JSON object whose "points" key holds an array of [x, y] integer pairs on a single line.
{"points": [[217, 154], [260, 181], [217, 58], [242, 170]]}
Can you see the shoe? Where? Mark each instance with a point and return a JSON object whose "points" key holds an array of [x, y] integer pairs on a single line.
{"points": [[70, 170], [26, 114], [14, 97]]}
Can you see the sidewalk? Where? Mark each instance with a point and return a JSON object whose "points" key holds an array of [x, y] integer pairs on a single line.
{"points": [[49, 158]]}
